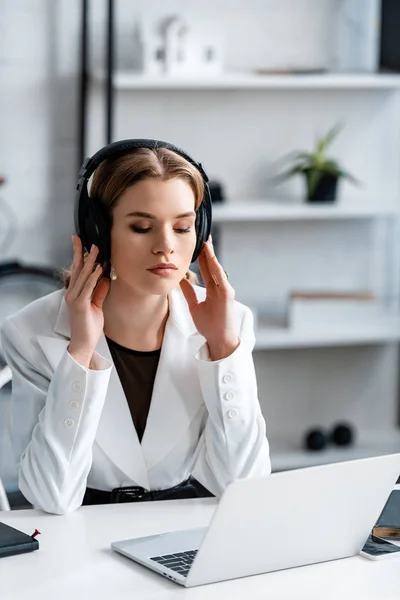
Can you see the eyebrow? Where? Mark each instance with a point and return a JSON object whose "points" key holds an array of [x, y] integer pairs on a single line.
{"points": [[146, 215]]}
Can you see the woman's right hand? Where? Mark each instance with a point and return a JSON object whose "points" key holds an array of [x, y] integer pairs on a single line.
{"points": [[84, 300]]}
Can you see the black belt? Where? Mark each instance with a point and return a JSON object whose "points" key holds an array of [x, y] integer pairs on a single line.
{"points": [[190, 488]]}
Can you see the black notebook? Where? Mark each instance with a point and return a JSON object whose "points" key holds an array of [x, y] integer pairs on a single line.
{"points": [[388, 524], [13, 541]]}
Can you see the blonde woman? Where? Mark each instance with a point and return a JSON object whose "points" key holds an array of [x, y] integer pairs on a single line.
{"points": [[134, 383]]}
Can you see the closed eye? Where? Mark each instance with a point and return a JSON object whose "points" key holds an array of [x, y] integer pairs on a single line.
{"points": [[147, 229], [139, 229]]}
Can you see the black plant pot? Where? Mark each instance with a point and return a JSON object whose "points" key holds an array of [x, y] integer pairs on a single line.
{"points": [[325, 191]]}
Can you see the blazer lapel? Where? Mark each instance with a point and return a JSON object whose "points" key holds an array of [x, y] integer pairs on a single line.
{"points": [[176, 393], [53, 348]]}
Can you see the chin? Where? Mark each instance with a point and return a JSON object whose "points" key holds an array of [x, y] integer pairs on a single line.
{"points": [[162, 286]]}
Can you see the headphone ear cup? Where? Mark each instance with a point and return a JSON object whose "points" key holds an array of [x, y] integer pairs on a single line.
{"points": [[203, 223], [98, 228], [93, 226]]}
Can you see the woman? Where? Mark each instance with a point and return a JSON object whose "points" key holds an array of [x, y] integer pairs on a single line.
{"points": [[142, 380]]}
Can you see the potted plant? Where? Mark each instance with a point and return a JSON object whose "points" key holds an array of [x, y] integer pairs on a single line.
{"points": [[321, 172]]}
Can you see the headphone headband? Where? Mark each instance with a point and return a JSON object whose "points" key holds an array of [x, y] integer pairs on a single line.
{"points": [[92, 222], [91, 163]]}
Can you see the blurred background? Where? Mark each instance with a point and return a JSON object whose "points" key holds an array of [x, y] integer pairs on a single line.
{"points": [[293, 108]]}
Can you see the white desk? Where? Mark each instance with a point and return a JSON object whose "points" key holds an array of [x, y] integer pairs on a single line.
{"points": [[75, 562]]}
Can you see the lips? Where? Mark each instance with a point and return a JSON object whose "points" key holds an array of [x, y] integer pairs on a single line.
{"points": [[163, 266], [163, 270]]}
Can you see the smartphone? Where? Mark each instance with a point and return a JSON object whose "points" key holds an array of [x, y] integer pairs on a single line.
{"points": [[377, 548]]}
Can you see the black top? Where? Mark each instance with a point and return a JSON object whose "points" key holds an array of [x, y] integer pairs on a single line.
{"points": [[137, 371]]}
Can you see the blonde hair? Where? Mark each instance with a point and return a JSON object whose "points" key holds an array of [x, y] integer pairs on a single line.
{"points": [[115, 174]]}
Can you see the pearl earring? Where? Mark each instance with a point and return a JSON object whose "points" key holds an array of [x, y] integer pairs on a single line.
{"points": [[113, 274]]}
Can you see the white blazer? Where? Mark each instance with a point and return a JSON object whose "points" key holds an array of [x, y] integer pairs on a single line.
{"points": [[71, 426]]}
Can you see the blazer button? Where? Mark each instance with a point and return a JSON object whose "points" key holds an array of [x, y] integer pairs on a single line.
{"points": [[232, 413], [229, 396], [76, 386], [68, 423], [227, 378]]}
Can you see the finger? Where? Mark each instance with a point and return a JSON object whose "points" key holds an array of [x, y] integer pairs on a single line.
{"points": [[86, 271], [214, 268], [213, 274], [189, 293], [77, 263], [90, 284], [100, 292], [204, 269]]}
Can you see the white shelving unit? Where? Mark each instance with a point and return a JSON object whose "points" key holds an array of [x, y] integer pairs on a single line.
{"points": [[268, 338], [127, 80], [273, 210], [280, 338], [287, 455]]}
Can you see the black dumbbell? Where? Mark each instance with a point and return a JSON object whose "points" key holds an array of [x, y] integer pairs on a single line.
{"points": [[317, 439]]}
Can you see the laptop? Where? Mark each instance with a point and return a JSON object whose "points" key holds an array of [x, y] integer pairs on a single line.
{"points": [[285, 520]]}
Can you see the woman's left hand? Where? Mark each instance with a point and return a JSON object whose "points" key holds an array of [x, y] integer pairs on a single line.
{"points": [[214, 316]]}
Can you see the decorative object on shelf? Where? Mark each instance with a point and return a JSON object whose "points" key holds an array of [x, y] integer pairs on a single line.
{"points": [[341, 434], [389, 40], [174, 33], [356, 36], [174, 46], [329, 308], [315, 439], [147, 51], [321, 172], [217, 191]]}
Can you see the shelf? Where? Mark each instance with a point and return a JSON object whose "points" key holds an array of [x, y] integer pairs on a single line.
{"points": [[285, 456], [268, 210], [126, 80], [269, 338]]}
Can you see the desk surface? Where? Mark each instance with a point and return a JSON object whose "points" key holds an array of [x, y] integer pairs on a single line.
{"points": [[75, 561]]}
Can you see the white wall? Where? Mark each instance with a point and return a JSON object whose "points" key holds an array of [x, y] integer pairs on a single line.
{"points": [[238, 136], [38, 124]]}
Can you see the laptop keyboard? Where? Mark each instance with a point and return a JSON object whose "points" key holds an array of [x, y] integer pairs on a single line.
{"points": [[179, 562]]}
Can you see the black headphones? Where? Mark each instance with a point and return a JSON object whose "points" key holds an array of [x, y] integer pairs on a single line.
{"points": [[92, 221]]}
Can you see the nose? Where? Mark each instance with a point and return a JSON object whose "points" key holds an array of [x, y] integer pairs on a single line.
{"points": [[163, 245]]}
